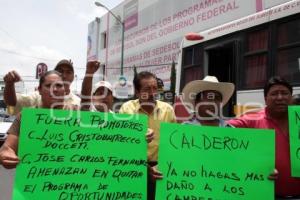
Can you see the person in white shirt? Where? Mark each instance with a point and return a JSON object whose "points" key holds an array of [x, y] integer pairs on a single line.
{"points": [[18, 101], [100, 96]]}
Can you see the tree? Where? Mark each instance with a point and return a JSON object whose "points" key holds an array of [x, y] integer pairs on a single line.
{"points": [[173, 78], [134, 71]]}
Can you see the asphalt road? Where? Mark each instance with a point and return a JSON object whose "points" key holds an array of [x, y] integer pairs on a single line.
{"points": [[6, 183]]}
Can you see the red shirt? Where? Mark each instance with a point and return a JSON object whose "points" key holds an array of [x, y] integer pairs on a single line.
{"points": [[285, 185]]}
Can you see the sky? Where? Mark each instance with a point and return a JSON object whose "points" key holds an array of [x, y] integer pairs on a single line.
{"points": [[35, 31]]}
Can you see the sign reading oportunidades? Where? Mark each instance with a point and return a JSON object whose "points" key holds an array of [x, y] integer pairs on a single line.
{"points": [[215, 163], [81, 155]]}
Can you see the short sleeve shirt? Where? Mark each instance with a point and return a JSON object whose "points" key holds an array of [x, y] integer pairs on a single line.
{"points": [[34, 100], [163, 112]]}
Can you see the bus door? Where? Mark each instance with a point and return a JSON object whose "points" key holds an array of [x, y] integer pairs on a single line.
{"points": [[221, 61]]}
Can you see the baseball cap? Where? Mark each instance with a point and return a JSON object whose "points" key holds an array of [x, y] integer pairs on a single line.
{"points": [[65, 62], [102, 84]]}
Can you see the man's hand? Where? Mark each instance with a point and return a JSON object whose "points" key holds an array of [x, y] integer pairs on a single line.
{"points": [[8, 157], [92, 67], [154, 173], [274, 175], [149, 135], [12, 77]]}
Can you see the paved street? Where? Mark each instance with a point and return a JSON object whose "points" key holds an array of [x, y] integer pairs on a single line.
{"points": [[6, 183]]}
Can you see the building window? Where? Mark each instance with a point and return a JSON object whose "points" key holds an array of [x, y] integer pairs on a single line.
{"points": [[103, 40], [104, 71], [288, 51], [255, 59]]}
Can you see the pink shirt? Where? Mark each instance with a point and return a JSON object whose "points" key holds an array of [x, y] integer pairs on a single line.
{"points": [[285, 184]]}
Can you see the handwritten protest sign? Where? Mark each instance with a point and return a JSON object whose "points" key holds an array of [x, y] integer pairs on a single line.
{"points": [[211, 163], [294, 126], [81, 155]]}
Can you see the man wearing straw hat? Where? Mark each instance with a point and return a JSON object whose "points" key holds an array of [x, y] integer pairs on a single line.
{"points": [[206, 98]]}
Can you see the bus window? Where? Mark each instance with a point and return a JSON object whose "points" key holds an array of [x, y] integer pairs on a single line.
{"points": [[288, 51], [255, 59], [192, 73], [192, 64]]}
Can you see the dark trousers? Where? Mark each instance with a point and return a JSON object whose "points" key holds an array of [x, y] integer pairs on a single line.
{"points": [[151, 189], [288, 197], [151, 184]]}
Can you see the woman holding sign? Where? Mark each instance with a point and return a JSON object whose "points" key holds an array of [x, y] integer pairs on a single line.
{"points": [[52, 91]]}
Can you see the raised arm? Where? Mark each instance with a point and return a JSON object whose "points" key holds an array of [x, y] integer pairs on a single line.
{"points": [[86, 89], [10, 79]]}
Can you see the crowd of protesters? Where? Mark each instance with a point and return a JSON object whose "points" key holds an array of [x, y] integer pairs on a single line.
{"points": [[203, 98]]}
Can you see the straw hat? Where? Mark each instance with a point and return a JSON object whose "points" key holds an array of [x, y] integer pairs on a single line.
{"points": [[190, 91]]}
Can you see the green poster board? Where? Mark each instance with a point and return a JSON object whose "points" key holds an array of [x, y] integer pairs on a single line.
{"points": [[294, 126], [211, 163], [81, 155]]}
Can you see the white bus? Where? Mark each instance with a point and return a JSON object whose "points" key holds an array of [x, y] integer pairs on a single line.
{"points": [[247, 52]]}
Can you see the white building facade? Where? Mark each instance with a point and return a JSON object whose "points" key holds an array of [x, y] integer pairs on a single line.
{"points": [[154, 32]]}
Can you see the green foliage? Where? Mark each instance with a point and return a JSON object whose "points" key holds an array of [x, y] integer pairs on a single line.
{"points": [[173, 78], [134, 71]]}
